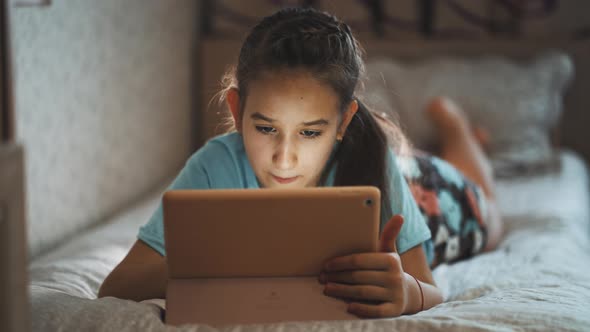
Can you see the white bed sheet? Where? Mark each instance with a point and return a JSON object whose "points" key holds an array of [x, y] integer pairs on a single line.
{"points": [[538, 278]]}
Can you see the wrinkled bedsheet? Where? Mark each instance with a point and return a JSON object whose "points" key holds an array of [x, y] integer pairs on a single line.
{"points": [[538, 278]]}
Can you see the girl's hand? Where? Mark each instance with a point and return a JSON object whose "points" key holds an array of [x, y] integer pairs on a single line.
{"points": [[374, 278]]}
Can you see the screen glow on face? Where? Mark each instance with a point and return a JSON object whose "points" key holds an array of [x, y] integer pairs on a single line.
{"points": [[289, 126]]}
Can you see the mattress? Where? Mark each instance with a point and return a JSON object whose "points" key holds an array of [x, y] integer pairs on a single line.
{"points": [[537, 279]]}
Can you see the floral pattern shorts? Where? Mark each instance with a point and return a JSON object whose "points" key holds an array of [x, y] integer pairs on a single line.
{"points": [[454, 207]]}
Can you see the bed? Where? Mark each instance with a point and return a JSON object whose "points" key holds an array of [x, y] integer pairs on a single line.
{"points": [[536, 280]]}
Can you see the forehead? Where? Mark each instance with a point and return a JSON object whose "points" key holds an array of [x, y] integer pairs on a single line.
{"points": [[291, 90]]}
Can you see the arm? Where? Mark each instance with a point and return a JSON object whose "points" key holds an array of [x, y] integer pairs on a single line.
{"points": [[414, 265], [413, 258], [141, 275]]}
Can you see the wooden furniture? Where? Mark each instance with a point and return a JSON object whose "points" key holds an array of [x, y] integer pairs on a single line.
{"points": [[14, 309]]}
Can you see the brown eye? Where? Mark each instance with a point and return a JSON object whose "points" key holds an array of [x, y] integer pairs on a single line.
{"points": [[265, 129], [311, 133]]}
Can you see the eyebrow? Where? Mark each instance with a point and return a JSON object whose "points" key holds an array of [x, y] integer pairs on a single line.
{"points": [[259, 116]]}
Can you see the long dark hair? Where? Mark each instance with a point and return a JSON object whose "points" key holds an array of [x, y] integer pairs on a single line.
{"points": [[323, 46]]}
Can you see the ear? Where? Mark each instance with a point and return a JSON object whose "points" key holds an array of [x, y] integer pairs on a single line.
{"points": [[346, 118], [233, 103]]}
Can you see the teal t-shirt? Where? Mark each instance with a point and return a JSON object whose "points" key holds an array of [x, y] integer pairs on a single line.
{"points": [[222, 164]]}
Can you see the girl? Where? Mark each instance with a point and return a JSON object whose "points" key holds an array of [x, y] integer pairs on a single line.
{"points": [[299, 124]]}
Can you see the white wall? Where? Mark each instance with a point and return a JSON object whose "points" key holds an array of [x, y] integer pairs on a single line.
{"points": [[103, 106]]}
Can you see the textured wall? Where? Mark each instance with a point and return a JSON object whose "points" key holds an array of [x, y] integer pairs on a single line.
{"points": [[103, 106]]}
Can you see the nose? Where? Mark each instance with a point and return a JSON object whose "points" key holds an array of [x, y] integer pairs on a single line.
{"points": [[285, 155]]}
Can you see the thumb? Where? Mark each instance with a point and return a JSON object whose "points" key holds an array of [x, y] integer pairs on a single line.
{"points": [[390, 233]]}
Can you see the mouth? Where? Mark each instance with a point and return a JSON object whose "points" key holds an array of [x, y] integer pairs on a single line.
{"points": [[284, 180]]}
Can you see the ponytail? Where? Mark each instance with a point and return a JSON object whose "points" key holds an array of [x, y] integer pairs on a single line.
{"points": [[362, 157]]}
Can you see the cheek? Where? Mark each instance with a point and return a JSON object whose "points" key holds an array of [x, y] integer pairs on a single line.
{"points": [[315, 156], [257, 149]]}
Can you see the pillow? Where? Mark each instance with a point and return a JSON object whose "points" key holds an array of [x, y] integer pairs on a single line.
{"points": [[519, 103]]}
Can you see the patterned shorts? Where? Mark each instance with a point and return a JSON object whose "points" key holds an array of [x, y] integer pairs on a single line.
{"points": [[453, 206]]}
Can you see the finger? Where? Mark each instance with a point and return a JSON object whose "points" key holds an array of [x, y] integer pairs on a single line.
{"points": [[390, 233], [365, 261], [358, 277], [386, 309], [357, 292]]}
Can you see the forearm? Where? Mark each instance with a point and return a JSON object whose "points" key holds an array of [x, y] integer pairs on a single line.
{"points": [[430, 294], [136, 282]]}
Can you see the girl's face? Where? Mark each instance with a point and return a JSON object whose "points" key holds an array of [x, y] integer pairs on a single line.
{"points": [[290, 125]]}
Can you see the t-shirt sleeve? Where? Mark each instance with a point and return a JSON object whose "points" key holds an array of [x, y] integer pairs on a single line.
{"points": [[214, 166], [414, 230], [192, 176]]}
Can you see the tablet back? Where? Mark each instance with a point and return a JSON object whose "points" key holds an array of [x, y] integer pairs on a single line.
{"points": [[266, 232], [253, 256]]}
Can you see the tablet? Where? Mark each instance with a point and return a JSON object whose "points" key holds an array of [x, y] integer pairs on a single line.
{"points": [[266, 232], [250, 256]]}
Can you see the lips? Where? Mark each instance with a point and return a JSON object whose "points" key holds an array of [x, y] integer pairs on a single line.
{"points": [[284, 180]]}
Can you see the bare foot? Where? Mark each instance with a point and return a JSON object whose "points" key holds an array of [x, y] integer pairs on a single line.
{"points": [[451, 121], [448, 118], [482, 136]]}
